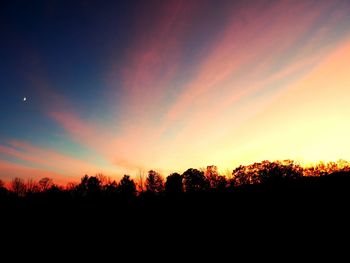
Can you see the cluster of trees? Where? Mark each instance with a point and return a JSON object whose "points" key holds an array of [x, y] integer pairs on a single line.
{"points": [[191, 181], [267, 172], [21, 188]]}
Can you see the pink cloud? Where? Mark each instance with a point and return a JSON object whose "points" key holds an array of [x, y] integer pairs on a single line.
{"points": [[100, 139], [152, 60], [259, 47], [80, 130], [88, 133], [255, 44], [49, 160]]}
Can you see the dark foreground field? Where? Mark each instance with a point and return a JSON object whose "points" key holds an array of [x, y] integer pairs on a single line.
{"points": [[288, 215], [303, 201]]}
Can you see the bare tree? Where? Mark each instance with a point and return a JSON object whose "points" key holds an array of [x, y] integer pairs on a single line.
{"points": [[104, 180], [45, 183], [71, 186], [32, 186], [18, 186], [140, 181]]}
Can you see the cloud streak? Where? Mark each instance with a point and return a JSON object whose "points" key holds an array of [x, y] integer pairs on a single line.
{"points": [[261, 50], [182, 99], [47, 161], [10, 170]]}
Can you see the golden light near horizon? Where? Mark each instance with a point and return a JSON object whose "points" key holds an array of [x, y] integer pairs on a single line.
{"points": [[307, 122]]}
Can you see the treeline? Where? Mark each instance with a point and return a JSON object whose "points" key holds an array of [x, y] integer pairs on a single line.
{"points": [[265, 195], [191, 181]]}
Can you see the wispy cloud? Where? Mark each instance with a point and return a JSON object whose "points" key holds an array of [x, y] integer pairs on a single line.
{"points": [[37, 158], [10, 170], [262, 49], [163, 117]]}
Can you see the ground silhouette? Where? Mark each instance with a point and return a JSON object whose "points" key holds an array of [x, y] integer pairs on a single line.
{"points": [[254, 201]]}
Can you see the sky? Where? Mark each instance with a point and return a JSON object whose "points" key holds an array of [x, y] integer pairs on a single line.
{"points": [[121, 87]]}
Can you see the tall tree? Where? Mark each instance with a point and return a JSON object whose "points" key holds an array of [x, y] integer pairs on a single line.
{"points": [[45, 183], [173, 184], [154, 182], [194, 180], [18, 186], [93, 186], [32, 186], [214, 179], [127, 186]]}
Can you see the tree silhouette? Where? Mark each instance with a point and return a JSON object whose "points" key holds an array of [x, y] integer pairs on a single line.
{"points": [[93, 186], [173, 184], [3, 190], [45, 183], [278, 172], [71, 186], [32, 187], [89, 186], [55, 190], [194, 180], [111, 188], [240, 176], [127, 186], [285, 175], [154, 182], [266, 172], [104, 180], [82, 188], [214, 179], [140, 181], [18, 187]]}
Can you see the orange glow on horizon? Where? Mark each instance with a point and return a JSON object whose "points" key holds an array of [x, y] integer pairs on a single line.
{"points": [[307, 122]]}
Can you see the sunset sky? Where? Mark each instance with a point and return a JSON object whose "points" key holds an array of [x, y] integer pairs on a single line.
{"points": [[119, 87]]}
